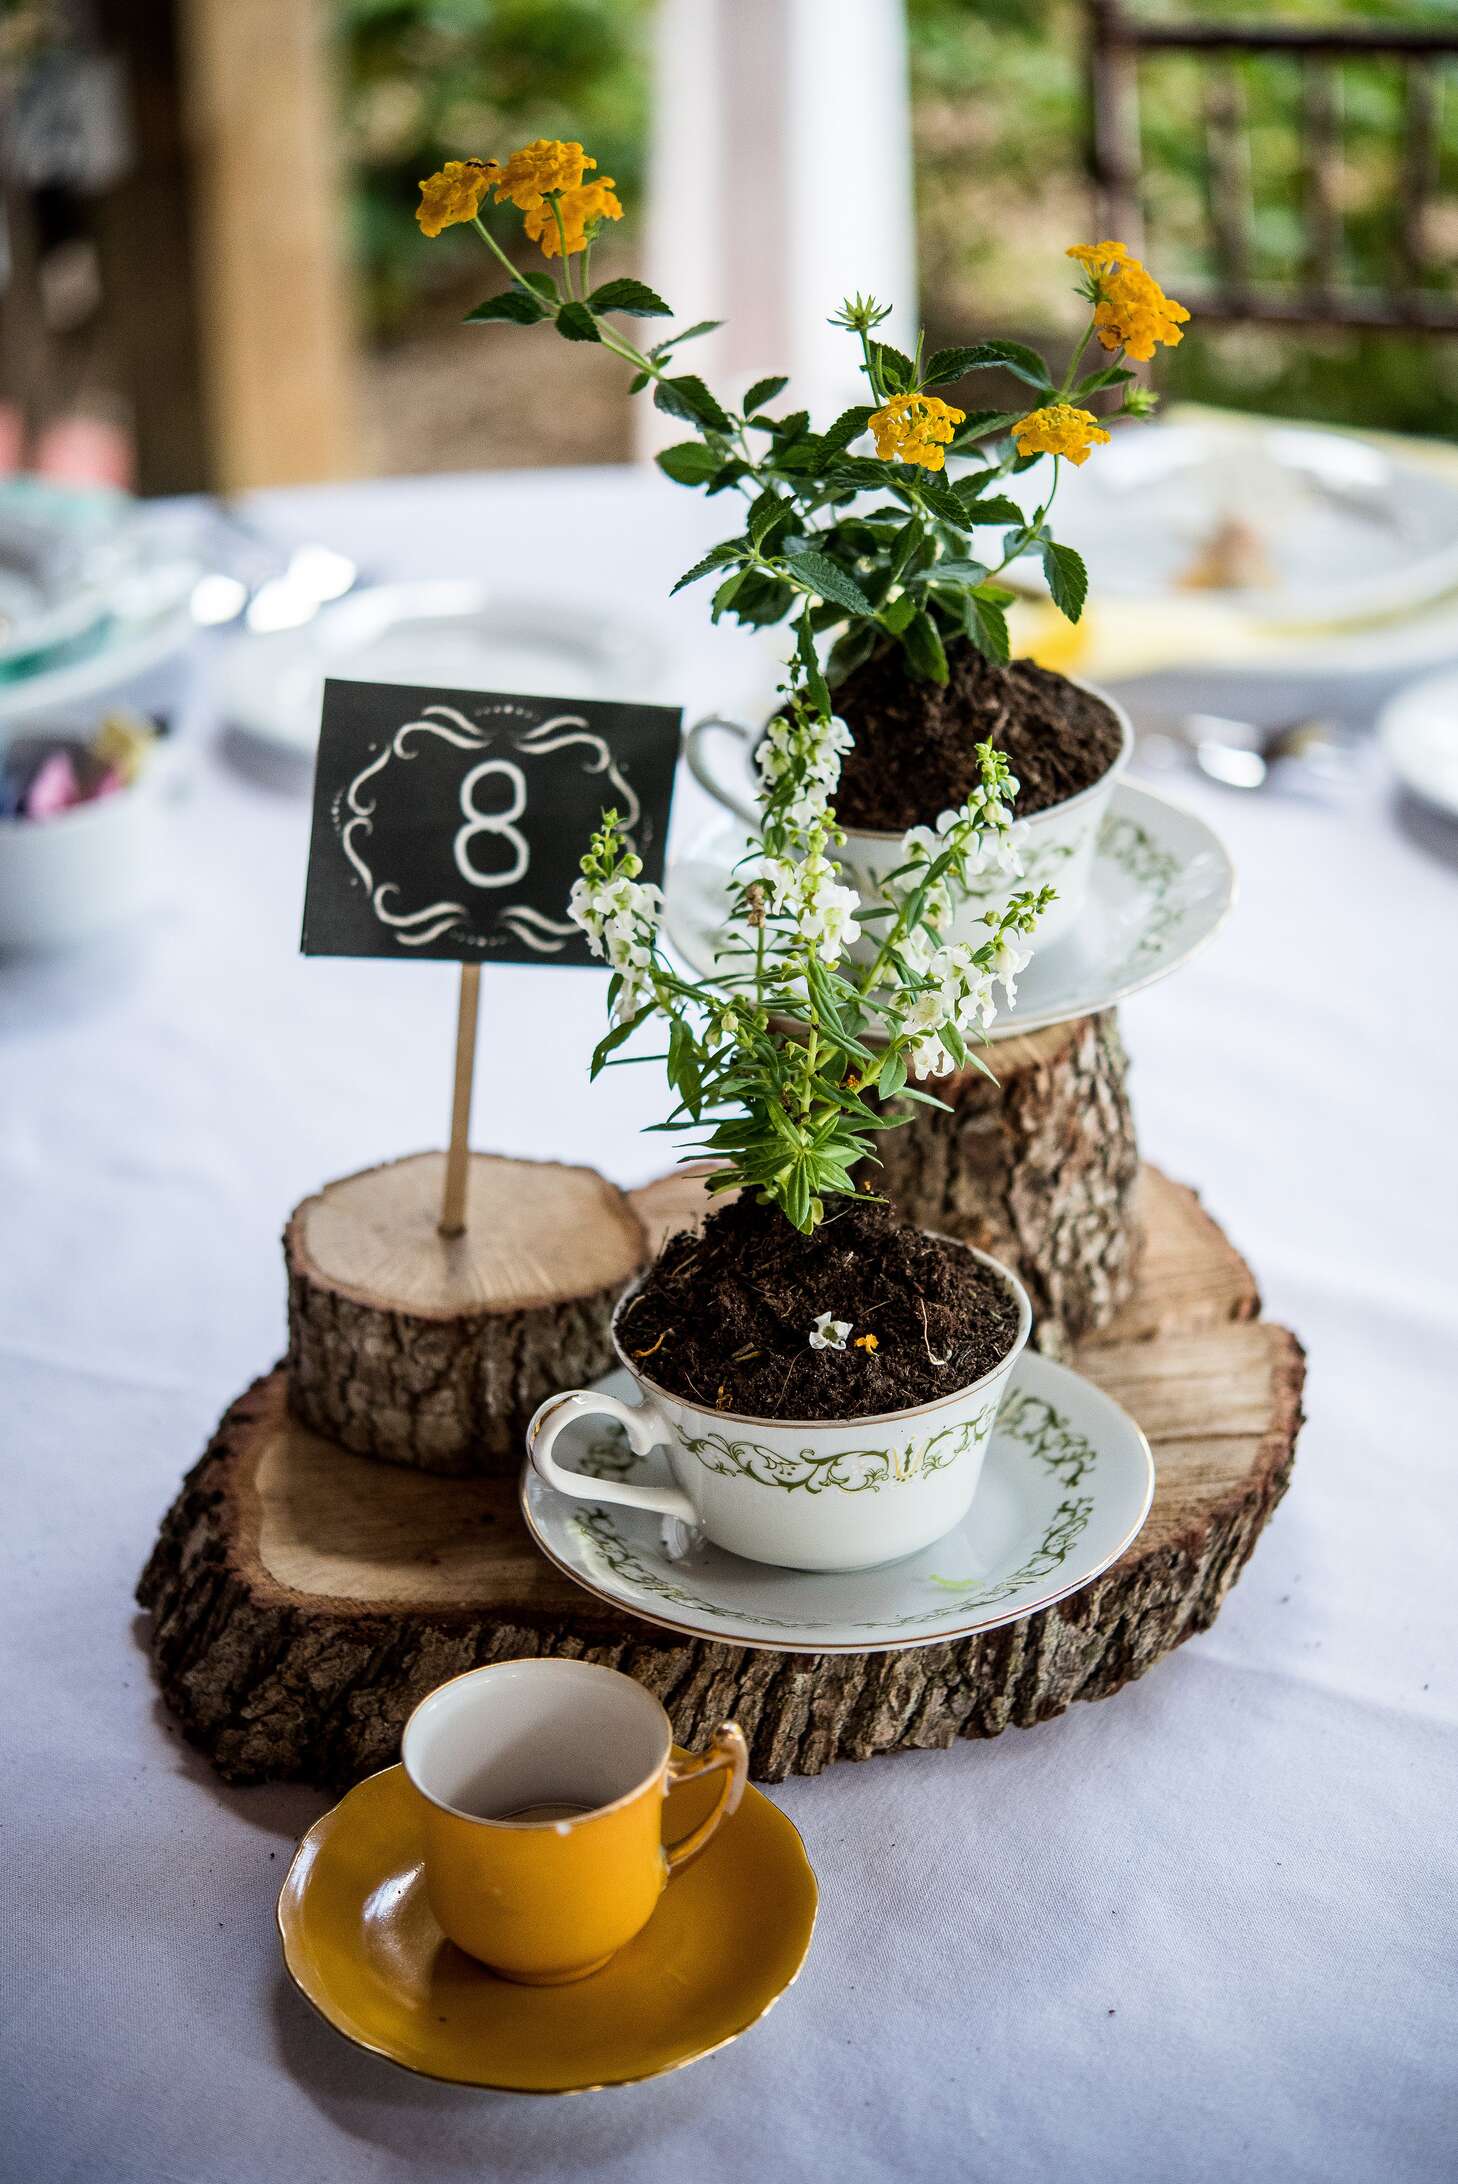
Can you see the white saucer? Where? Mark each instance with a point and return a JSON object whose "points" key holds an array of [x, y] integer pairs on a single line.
{"points": [[1161, 884], [1066, 1485], [1419, 732]]}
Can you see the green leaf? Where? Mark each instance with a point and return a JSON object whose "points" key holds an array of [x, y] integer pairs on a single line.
{"points": [[637, 383], [764, 390], [765, 513], [728, 474], [895, 367], [714, 559], [1067, 578], [903, 546], [997, 508], [861, 470], [689, 462], [788, 428], [1112, 375], [690, 333], [831, 582], [633, 297], [898, 613], [576, 323], [689, 398], [943, 502], [809, 659], [978, 423], [849, 426], [849, 651], [987, 628], [512, 306], [762, 600], [1013, 356], [724, 596], [923, 643], [955, 570], [945, 365], [613, 1040], [892, 1077]]}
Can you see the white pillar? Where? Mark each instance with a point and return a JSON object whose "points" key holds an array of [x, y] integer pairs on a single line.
{"points": [[780, 182]]}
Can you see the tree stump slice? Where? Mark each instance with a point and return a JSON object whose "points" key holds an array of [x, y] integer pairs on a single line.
{"points": [[434, 1351], [1040, 1169], [302, 1602]]}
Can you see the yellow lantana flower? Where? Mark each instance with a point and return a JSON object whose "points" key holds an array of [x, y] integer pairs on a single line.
{"points": [[1099, 254], [1133, 312], [581, 209], [1060, 429], [545, 164], [915, 428], [455, 193]]}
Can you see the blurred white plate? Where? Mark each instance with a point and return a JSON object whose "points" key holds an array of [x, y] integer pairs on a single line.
{"points": [[1346, 530], [1161, 884], [1419, 731], [447, 635]]}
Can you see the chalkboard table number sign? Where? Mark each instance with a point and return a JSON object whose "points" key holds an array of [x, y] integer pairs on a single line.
{"points": [[434, 1301]]}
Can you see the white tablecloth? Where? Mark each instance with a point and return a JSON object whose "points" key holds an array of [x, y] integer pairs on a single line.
{"points": [[1205, 1929]]}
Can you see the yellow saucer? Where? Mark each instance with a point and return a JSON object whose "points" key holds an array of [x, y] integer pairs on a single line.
{"points": [[729, 1935]]}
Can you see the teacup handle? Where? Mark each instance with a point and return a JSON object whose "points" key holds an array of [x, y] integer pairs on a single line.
{"points": [[696, 753], [646, 1428], [728, 1750]]}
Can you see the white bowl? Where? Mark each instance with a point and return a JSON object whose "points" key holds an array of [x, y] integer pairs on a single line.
{"points": [[98, 865]]}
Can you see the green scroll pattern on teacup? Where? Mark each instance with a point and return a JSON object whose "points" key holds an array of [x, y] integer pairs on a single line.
{"points": [[602, 1542], [1154, 872], [846, 1470], [1048, 1436]]}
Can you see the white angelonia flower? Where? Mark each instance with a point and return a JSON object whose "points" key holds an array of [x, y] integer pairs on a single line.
{"points": [[1009, 961], [828, 918], [828, 1333], [927, 1013]]}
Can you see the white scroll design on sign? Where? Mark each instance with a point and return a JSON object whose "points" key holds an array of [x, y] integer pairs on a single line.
{"points": [[532, 927]]}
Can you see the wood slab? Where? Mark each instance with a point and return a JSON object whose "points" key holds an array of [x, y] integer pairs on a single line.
{"points": [[1040, 1167], [435, 1350], [303, 1601]]}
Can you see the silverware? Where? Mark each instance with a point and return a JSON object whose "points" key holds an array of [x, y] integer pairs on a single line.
{"points": [[266, 584], [1308, 753]]}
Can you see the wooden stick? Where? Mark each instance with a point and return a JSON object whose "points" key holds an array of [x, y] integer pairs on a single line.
{"points": [[453, 1199]]}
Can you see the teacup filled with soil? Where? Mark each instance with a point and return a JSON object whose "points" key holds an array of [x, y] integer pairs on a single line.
{"points": [[915, 757], [825, 1401]]}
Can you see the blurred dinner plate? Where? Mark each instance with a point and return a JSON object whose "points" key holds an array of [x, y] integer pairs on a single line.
{"points": [[448, 635], [1419, 731], [1320, 527]]}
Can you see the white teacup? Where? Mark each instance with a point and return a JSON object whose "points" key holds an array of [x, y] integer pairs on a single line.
{"points": [[807, 1495], [1056, 846]]}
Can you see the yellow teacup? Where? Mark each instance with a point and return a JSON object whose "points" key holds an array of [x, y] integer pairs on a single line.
{"points": [[542, 1784]]}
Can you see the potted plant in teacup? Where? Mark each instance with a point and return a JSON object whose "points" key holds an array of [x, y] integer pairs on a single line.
{"points": [[825, 1377], [909, 591], [920, 669]]}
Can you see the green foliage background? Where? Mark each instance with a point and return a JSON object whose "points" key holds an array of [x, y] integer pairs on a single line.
{"points": [[999, 117]]}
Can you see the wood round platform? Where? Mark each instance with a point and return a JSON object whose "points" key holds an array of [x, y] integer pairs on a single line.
{"points": [[1041, 1168], [435, 1350], [303, 1601]]}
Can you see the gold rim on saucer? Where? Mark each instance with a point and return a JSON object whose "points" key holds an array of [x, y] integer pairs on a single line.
{"points": [[725, 1942]]}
